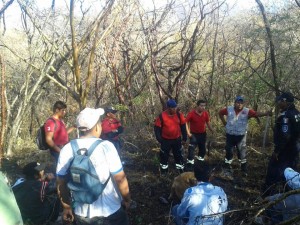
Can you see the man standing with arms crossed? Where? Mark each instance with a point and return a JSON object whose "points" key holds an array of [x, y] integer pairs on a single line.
{"points": [[236, 131], [196, 122]]}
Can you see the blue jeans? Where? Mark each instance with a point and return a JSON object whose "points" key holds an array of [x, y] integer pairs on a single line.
{"points": [[117, 218]]}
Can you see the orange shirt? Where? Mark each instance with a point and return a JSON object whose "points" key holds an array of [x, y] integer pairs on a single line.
{"points": [[171, 125]]}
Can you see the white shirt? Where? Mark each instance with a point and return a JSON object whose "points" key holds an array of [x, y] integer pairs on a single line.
{"points": [[106, 161]]}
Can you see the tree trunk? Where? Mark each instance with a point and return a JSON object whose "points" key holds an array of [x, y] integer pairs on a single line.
{"points": [[3, 108], [272, 47]]}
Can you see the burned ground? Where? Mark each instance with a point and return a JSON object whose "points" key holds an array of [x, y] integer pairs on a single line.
{"points": [[147, 186]]}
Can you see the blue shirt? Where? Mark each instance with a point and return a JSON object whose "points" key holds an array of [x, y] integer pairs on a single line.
{"points": [[201, 203]]}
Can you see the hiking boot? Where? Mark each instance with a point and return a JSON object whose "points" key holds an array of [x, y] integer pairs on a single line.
{"points": [[199, 158], [191, 162], [179, 167]]}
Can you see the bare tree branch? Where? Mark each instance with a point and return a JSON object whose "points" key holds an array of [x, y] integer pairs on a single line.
{"points": [[5, 7]]}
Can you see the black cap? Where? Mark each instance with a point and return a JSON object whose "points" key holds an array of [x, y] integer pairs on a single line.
{"points": [[110, 109], [33, 168], [285, 96]]}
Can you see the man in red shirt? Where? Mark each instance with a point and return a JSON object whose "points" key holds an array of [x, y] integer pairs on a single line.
{"points": [[196, 122], [236, 131], [56, 131], [111, 127], [169, 127]]}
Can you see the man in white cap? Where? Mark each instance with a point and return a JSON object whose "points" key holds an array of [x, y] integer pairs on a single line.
{"points": [[107, 208]]}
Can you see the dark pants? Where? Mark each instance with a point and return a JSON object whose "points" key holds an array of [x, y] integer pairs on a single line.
{"points": [[54, 206], [55, 156], [117, 218], [49, 212], [166, 146], [275, 171], [197, 140], [238, 141]]}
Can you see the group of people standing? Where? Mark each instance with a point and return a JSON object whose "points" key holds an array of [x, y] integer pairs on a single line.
{"points": [[172, 129], [172, 134]]}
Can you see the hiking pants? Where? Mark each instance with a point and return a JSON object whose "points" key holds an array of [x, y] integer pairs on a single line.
{"points": [[117, 218], [197, 140], [166, 146], [238, 141]]}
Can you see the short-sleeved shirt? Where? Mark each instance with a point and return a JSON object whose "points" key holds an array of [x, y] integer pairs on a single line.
{"points": [[60, 135], [106, 161], [197, 121], [171, 125], [251, 112]]}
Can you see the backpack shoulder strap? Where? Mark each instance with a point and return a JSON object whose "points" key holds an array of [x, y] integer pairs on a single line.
{"points": [[161, 120], [91, 150], [55, 125], [74, 146], [93, 146], [178, 114]]}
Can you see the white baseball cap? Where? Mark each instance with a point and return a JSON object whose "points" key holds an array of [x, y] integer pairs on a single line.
{"points": [[88, 118], [292, 177]]}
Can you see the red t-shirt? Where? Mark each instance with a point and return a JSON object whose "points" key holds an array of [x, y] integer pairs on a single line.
{"points": [[251, 112], [197, 122], [171, 125], [108, 125], [60, 136]]}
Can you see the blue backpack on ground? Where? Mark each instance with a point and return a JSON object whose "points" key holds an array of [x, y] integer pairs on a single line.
{"points": [[84, 182]]}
